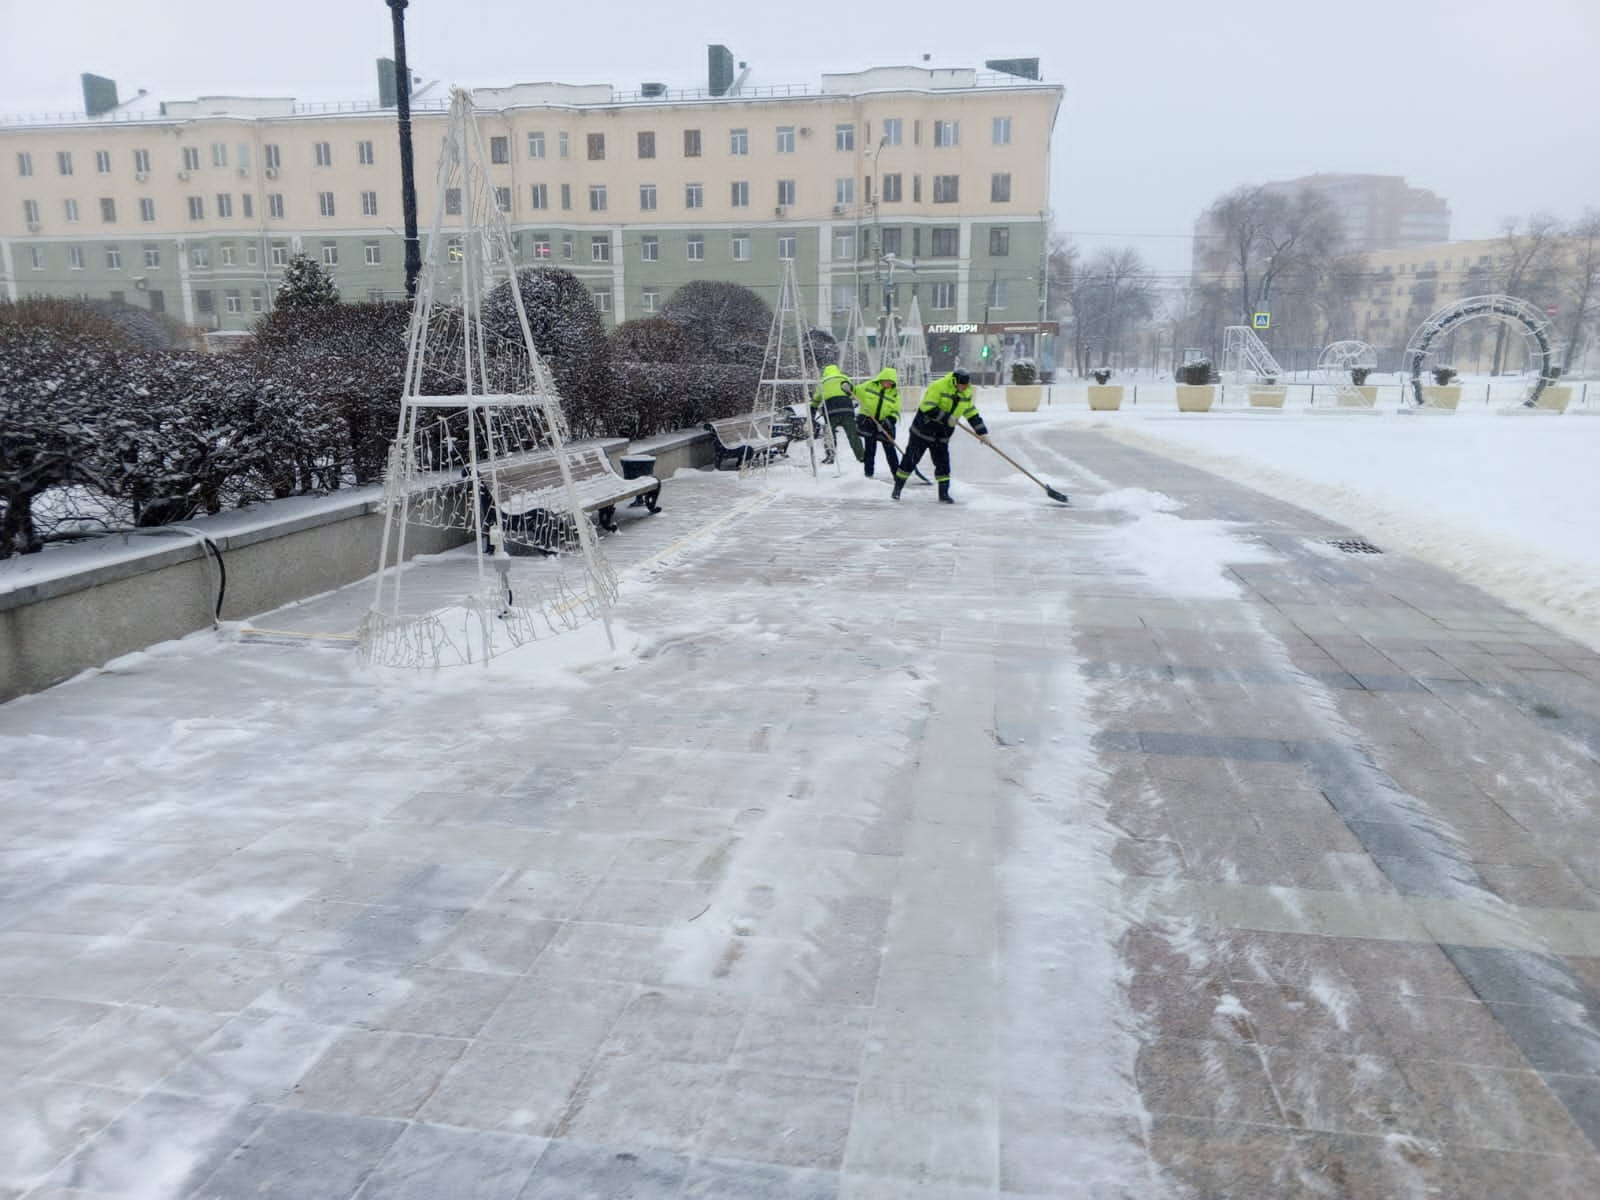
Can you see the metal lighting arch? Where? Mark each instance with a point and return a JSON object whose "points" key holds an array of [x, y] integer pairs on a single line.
{"points": [[1535, 335]]}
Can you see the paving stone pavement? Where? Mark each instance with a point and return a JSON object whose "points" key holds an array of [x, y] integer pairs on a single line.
{"points": [[954, 854]]}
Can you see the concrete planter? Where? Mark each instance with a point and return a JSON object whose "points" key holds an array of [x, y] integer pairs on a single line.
{"points": [[1196, 397], [1442, 397], [1105, 397], [1555, 397], [1024, 397], [1370, 391], [1268, 396]]}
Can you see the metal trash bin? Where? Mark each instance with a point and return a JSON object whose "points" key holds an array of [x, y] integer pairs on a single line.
{"points": [[637, 466]]}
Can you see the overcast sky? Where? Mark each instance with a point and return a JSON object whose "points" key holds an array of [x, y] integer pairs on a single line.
{"points": [[1169, 103]]}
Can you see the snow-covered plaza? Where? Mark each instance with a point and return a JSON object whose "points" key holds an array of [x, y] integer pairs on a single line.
{"points": [[1156, 846]]}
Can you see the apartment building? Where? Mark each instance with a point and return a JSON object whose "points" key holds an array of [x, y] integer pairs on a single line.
{"points": [[193, 209]]}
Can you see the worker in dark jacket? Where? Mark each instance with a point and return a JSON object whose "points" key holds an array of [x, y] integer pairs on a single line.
{"points": [[879, 398], [947, 402], [833, 396]]}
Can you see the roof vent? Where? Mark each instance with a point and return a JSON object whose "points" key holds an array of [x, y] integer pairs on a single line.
{"points": [[99, 94]]}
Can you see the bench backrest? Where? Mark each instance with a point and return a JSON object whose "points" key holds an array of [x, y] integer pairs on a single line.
{"points": [[733, 430], [538, 470]]}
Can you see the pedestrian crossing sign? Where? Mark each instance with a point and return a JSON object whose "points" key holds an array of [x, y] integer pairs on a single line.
{"points": [[1263, 320]]}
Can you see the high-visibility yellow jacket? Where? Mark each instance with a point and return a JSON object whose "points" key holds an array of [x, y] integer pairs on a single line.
{"points": [[833, 393], [879, 396], [944, 404]]}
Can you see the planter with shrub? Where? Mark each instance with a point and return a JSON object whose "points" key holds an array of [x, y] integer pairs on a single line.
{"points": [[1268, 393], [1444, 393], [1102, 396], [1024, 393], [1196, 393], [1369, 391]]}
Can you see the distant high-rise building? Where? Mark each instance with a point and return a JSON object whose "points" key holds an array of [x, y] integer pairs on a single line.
{"points": [[1378, 212]]}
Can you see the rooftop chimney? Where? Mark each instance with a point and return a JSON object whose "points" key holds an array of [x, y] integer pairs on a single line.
{"points": [[99, 94]]}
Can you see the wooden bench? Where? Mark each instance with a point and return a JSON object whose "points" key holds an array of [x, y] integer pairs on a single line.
{"points": [[524, 493], [746, 440]]}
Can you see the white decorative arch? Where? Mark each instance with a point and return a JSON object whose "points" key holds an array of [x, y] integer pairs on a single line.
{"points": [[1534, 327]]}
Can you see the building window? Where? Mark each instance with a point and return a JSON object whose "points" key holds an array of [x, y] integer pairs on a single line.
{"points": [[891, 188], [191, 158], [152, 257], [597, 197], [944, 295], [280, 254], [102, 162], [566, 247], [843, 295], [249, 203], [30, 212], [600, 249], [647, 197], [844, 245], [946, 242], [453, 251], [373, 254], [219, 154], [1000, 241], [741, 247], [785, 139], [197, 208], [650, 300], [740, 193], [273, 157], [891, 241], [1002, 131], [70, 207], [649, 248], [452, 201], [325, 203], [785, 191], [37, 254], [541, 245], [256, 302], [324, 154], [563, 144], [502, 199], [226, 254], [691, 143], [1000, 188], [364, 153], [369, 204], [233, 301], [204, 300], [694, 195], [64, 161], [844, 137], [251, 258], [947, 133], [597, 147], [946, 189], [330, 254], [225, 204], [602, 299], [996, 294], [141, 162], [696, 244], [916, 189], [566, 195], [113, 258], [24, 163], [499, 149], [844, 190], [275, 206], [539, 195], [738, 141], [108, 210], [894, 131], [200, 256], [647, 143], [786, 246], [536, 145]]}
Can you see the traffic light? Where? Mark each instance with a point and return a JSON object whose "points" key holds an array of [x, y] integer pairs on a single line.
{"points": [[985, 351]]}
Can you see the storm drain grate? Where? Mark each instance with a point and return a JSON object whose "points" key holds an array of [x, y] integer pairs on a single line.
{"points": [[1353, 546]]}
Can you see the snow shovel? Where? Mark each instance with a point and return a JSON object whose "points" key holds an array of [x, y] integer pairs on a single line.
{"points": [[883, 436], [1048, 490]]}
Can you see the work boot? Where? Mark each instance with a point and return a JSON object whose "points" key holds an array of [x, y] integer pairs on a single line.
{"points": [[867, 470], [944, 492], [898, 484]]}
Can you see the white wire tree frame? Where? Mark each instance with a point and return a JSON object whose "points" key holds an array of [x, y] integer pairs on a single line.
{"points": [[914, 366], [855, 354], [789, 373], [475, 399]]}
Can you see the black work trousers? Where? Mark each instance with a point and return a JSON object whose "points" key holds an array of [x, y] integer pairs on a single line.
{"points": [[875, 434], [939, 448]]}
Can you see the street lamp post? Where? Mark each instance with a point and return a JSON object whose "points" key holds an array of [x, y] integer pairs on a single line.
{"points": [[408, 178]]}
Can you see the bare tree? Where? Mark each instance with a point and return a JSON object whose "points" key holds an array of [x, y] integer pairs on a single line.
{"points": [[1526, 269], [1581, 284], [1271, 235], [1111, 296]]}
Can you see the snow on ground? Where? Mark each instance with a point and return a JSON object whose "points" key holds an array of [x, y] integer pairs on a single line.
{"points": [[1508, 502]]}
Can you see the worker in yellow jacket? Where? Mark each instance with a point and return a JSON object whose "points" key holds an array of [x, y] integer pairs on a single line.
{"points": [[879, 398], [833, 396], [945, 404]]}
